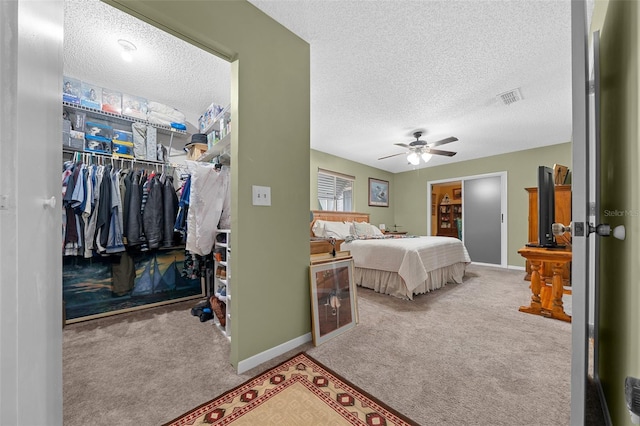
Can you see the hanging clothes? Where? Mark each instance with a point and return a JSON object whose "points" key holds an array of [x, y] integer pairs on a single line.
{"points": [[103, 221], [114, 238], [107, 210], [134, 222], [152, 212], [170, 205], [208, 191], [183, 209]]}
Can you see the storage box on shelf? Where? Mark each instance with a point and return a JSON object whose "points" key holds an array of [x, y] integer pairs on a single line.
{"points": [[222, 278], [105, 133], [113, 118], [218, 133]]}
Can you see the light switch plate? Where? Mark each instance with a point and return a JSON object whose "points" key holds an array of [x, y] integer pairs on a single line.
{"points": [[261, 195]]}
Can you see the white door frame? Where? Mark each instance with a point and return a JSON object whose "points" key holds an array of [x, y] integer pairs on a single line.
{"points": [[579, 212], [503, 208]]}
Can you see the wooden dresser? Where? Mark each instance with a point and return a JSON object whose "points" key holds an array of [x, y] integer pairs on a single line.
{"points": [[563, 215]]}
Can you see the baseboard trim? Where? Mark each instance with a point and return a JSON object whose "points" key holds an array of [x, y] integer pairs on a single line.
{"points": [[603, 402], [256, 360], [493, 265], [518, 268]]}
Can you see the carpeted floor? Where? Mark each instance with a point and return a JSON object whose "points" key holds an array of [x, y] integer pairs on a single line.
{"points": [[461, 355]]}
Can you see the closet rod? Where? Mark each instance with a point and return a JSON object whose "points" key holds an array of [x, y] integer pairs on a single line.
{"points": [[116, 158]]}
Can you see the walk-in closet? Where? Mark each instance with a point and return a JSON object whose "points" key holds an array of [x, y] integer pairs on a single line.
{"points": [[145, 176]]}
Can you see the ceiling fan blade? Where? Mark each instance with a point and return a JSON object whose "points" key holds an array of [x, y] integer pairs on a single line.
{"points": [[404, 145], [389, 156], [443, 141], [440, 152]]}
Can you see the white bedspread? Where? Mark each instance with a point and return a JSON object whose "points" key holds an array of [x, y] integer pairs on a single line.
{"points": [[411, 258]]}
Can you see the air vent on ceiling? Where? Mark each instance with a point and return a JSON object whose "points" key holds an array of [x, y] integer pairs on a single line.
{"points": [[510, 97]]}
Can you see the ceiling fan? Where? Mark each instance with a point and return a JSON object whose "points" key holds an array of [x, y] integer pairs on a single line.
{"points": [[421, 149]]}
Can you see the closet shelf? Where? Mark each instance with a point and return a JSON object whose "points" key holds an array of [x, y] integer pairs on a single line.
{"points": [[167, 130], [220, 148], [218, 121]]}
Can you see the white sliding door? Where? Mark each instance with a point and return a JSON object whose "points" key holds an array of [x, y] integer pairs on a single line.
{"points": [[482, 219]]}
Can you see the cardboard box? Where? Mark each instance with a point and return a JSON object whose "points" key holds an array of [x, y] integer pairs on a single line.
{"points": [[76, 140], [122, 149], [122, 136], [71, 88], [194, 151], [97, 128], [97, 144], [111, 101], [66, 132], [91, 96], [78, 121], [134, 106]]}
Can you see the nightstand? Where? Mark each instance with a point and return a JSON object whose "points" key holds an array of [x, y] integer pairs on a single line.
{"points": [[395, 232]]}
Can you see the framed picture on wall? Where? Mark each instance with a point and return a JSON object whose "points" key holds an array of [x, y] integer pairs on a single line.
{"points": [[333, 299], [457, 193], [378, 192]]}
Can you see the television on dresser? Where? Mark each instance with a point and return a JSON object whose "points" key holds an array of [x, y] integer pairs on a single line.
{"points": [[546, 207]]}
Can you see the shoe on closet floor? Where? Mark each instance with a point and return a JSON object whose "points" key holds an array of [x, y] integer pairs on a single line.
{"points": [[220, 309]]}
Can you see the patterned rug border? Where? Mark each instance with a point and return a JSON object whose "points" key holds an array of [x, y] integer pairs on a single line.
{"points": [[192, 415]]}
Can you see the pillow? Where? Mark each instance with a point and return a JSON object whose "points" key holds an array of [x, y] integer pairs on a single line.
{"points": [[337, 230], [376, 231], [318, 228], [363, 229]]}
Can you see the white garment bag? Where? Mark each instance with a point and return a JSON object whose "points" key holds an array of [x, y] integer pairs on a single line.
{"points": [[209, 201]]}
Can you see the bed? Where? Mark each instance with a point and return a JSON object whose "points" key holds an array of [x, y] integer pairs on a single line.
{"points": [[395, 265]]}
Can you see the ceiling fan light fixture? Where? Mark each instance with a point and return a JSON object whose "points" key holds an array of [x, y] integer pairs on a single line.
{"points": [[426, 157], [413, 158]]}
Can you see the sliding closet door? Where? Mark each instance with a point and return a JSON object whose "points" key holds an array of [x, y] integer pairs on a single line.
{"points": [[482, 220]]}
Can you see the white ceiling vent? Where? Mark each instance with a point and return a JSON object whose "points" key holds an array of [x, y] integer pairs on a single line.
{"points": [[510, 97]]}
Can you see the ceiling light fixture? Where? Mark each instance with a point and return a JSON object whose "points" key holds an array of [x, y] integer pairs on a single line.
{"points": [[127, 49], [413, 158], [415, 155], [426, 156]]}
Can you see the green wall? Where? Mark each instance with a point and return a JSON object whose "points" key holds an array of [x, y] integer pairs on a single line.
{"points": [[270, 101], [619, 318], [362, 173], [521, 167]]}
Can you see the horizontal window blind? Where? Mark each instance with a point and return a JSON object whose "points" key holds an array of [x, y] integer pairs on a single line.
{"points": [[335, 191]]}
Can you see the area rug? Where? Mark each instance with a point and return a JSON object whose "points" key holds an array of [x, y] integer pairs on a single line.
{"points": [[300, 391]]}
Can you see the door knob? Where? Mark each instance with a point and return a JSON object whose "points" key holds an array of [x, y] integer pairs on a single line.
{"points": [[604, 230], [51, 202]]}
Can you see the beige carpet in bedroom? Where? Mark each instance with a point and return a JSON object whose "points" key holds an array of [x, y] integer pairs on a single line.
{"points": [[461, 355]]}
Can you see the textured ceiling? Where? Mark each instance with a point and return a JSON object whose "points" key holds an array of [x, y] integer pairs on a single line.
{"points": [[380, 70]]}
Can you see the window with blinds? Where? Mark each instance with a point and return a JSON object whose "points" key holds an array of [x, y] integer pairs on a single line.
{"points": [[335, 191]]}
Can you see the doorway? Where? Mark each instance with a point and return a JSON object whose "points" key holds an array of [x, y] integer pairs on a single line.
{"points": [[481, 201]]}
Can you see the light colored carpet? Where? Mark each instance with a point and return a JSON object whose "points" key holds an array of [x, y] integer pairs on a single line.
{"points": [[461, 355]]}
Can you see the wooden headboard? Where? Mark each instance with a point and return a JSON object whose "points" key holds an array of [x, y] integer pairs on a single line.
{"points": [[337, 217]]}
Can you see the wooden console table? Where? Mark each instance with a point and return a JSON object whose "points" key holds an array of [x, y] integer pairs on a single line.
{"points": [[557, 258]]}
